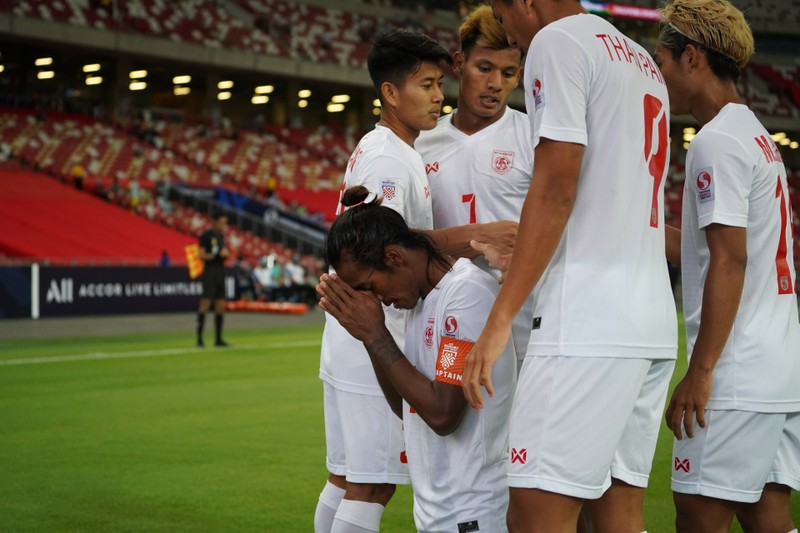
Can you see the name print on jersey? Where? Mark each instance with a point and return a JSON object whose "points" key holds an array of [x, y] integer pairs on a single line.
{"points": [[620, 50]]}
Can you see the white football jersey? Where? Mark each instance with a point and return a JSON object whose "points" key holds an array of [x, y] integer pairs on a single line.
{"points": [[387, 166], [606, 291], [459, 478], [735, 176], [479, 178]]}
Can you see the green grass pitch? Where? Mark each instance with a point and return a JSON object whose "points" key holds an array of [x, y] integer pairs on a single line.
{"points": [[142, 433]]}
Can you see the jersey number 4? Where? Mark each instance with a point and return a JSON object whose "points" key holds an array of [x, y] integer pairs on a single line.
{"points": [[656, 148], [785, 281]]}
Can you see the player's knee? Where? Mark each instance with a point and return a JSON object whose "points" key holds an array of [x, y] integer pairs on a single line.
{"points": [[371, 492]]}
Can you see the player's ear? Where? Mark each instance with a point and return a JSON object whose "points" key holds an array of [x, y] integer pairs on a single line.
{"points": [[692, 57], [458, 62], [393, 255], [389, 93]]}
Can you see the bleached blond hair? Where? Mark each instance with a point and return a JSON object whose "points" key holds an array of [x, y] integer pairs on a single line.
{"points": [[717, 25], [480, 28]]}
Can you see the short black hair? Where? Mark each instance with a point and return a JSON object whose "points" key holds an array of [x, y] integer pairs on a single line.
{"points": [[397, 53]]}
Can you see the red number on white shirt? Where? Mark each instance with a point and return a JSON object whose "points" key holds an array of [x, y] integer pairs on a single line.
{"points": [[785, 282], [656, 147], [470, 198]]}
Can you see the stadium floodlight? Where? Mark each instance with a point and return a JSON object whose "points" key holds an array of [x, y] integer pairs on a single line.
{"points": [[225, 84], [689, 130], [685, 146], [778, 136], [305, 93], [260, 99], [340, 98], [94, 80], [335, 108], [264, 89], [138, 74], [94, 67], [376, 111], [45, 74], [43, 61], [447, 109], [179, 80], [224, 95], [180, 91], [786, 141], [302, 104], [137, 85], [376, 102], [688, 137], [793, 145], [2, 68]]}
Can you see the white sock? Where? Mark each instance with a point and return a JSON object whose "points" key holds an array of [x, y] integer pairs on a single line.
{"points": [[328, 503], [793, 531], [357, 517]]}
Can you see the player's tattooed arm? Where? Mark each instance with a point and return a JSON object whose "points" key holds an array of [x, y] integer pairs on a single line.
{"points": [[440, 405]]}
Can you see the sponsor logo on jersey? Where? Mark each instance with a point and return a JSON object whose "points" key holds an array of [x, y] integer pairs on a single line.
{"points": [[431, 167], [683, 464], [451, 325], [429, 333], [468, 527], [502, 162], [519, 456], [705, 185], [403, 457], [389, 189], [538, 95]]}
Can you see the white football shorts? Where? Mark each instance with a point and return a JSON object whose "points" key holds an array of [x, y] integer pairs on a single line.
{"points": [[736, 454], [364, 438], [576, 422]]}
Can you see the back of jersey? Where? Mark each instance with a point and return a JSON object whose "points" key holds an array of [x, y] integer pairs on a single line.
{"points": [[606, 291]]}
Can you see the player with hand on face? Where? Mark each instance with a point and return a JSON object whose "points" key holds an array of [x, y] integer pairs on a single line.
{"points": [[736, 412], [456, 456], [478, 158], [365, 455]]}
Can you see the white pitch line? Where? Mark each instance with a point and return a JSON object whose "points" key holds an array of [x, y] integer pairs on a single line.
{"points": [[149, 353]]}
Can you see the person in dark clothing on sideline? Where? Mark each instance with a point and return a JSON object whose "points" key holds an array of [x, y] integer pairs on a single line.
{"points": [[213, 253]]}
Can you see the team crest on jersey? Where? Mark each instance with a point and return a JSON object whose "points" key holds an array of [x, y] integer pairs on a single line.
{"points": [[451, 325], [502, 162], [431, 167], [538, 94], [389, 189], [429, 333], [705, 185]]}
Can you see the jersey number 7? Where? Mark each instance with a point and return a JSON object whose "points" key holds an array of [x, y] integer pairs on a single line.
{"points": [[656, 147]]}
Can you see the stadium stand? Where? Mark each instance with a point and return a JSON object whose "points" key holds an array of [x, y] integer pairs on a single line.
{"points": [[275, 27], [48, 220]]}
